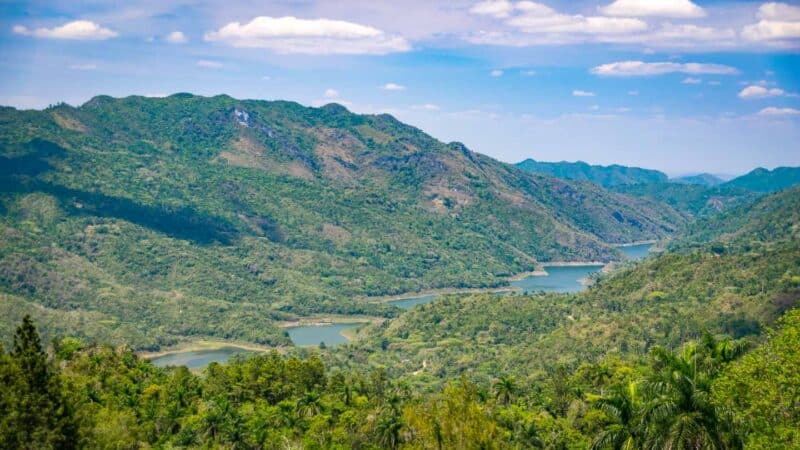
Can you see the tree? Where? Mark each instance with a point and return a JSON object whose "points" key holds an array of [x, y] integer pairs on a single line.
{"points": [[622, 405], [504, 389], [36, 413]]}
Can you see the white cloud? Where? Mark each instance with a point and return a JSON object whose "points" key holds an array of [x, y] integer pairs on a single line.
{"points": [[495, 8], [206, 64], [640, 68], [754, 92], [778, 22], [496, 73], [690, 80], [426, 107], [773, 111], [633, 92], [683, 9], [714, 83], [393, 87], [528, 73], [580, 93], [536, 18], [83, 66], [330, 93], [82, 30], [308, 36], [176, 37]]}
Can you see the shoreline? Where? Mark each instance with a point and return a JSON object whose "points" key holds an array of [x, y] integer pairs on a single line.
{"points": [[206, 344], [440, 292], [321, 321], [631, 244]]}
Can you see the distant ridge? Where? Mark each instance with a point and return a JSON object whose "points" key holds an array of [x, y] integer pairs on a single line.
{"points": [[606, 176], [763, 180], [703, 179]]}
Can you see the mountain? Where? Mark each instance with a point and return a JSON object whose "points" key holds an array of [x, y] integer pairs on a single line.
{"points": [[731, 273], [149, 221], [692, 199], [606, 176], [763, 180], [703, 179]]}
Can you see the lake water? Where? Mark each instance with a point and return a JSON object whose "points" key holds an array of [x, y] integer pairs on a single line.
{"points": [[330, 334], [558, 279], [408, 303], [635, 252], [198, 359]]}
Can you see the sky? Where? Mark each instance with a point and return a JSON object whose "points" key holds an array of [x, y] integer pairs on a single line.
{"points": [[676, 85]]}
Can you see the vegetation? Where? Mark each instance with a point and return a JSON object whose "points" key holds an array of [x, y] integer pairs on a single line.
{"points": [[703, 179], [694, 200], [702, 396], [763, 180], [606, 176], [147, 221]]}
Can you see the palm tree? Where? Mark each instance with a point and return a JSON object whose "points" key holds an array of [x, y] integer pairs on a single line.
{"points": [[680, 414], [622, 405], [504, 389], [309, 405], [388, 429]]}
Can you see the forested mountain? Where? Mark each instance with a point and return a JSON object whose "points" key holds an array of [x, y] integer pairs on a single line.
{"points": [[703, 179], [147, 220], [607, 176], [691, 199], [731, 273], [763, 180]]}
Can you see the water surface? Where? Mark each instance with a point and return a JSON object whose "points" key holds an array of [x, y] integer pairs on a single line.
{"points": [[408, 303], [558, 279], [330, 334], [198, 359], [636, 252]]}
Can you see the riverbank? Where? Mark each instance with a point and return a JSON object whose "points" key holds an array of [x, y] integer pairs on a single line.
{"points": [[633, 244], [320, 321], [206, 345]]}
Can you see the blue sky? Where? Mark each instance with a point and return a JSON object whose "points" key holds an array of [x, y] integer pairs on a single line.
{"points": [[675, 85]]}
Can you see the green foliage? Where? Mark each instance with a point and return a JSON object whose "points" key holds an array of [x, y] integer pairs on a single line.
{"points": [[606, 176], [763, 180]]}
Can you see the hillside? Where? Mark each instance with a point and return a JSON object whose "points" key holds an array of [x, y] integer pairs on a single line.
{"points": [[732, 283], [703, 179], [606, 176], [151, 220], [763, 180], [693, 200]]}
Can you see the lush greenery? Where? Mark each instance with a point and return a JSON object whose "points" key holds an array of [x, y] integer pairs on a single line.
{"points": [[693, 200], [147, 221], [607, 176], [702, 396], [763, 180]]}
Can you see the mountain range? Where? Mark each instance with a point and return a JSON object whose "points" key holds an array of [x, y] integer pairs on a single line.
{"points": [[189, 216]]}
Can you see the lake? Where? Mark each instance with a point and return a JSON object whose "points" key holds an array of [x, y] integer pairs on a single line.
{"points": [[330, 334], [408, 303], [635, 252], [558, 279], [198, 359]]}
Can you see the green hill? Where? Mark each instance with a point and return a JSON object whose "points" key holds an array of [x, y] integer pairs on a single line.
{"points": [[692, 199], [151, 220], [703, 179], [733, 281], [607, 176], [763, 180]]}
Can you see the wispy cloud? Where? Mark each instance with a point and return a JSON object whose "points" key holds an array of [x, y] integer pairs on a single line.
{"points": [[683, 9], [176, 37], [82, 30], [208, 64], [690, 80], [640, 68], [496, 73], [756, 92], [393, 87], [580, 93], [83, 66], [773, 111], [330, 93]]}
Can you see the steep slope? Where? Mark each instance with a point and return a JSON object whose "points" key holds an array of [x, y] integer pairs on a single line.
{"points": [[763, 180], [691, 199], [733, 281], [703, 179], [606, 176], [189, 216]]}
